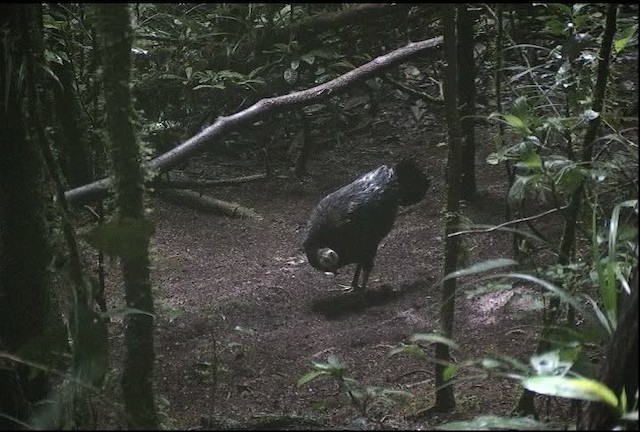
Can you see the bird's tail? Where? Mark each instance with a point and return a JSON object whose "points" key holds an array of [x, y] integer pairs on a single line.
{"points": [[412, 180]]}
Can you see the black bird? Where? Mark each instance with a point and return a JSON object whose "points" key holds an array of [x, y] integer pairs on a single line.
{"points": [[347, 225]]}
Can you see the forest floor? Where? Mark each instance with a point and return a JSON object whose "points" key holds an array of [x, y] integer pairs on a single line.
{"points": [[241, 314]]}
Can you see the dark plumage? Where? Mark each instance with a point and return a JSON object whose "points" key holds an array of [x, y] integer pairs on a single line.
{"points": [[347, 225]]}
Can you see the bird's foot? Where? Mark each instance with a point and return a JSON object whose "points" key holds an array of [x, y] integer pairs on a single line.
{"points": [[344, 288]]}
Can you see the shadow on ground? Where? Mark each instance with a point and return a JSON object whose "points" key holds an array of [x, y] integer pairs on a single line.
{"points": [[339, 305]]}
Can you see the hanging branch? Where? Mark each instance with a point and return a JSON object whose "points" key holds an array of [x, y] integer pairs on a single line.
{"points": [[225, 124]]}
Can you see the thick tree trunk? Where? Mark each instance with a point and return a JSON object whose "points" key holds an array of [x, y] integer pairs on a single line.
{"points": [[115, 36], [25, 253]]}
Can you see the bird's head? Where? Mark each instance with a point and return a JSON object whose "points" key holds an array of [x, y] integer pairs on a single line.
{"points": [[328, 259]]}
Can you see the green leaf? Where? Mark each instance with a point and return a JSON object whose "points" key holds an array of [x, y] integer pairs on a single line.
{"points": [[517, 123], [212, 86], [569, 179], [519, 187], [531, 160], [449, 372], [481, 267], [563, 294], [572, 388], [310, 377], [126, 237], [414, 350], [627, 34], [433, 338], [497, 422], [188, 71]]}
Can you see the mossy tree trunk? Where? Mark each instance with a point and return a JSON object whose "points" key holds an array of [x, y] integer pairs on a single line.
{"points": [[114, 33], [29, 327], [445, 399]]}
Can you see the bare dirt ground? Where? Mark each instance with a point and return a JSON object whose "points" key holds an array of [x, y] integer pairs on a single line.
{"points": [[240, 313]]}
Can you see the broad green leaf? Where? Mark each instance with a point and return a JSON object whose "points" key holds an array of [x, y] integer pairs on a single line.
{"points": [[568, 180], [207, 86], [518, 189], [433, 338], [408, 349], [517, 123], [449, 372], [572, 388], [295, 64], [481, 267], [310, 377], [605, 323], [125, 238], [627, 34], [531, 160], [613, 227], [497, 423]]}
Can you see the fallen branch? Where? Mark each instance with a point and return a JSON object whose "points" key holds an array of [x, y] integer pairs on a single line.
{"points": [[184, 184], [511, 222], [223, 125], [205, 203], [417, 93]]}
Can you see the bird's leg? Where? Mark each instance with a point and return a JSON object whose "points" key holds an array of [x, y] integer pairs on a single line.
{"points": [[354, 283], [356, 276], [367, 267], [360, 291]]}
